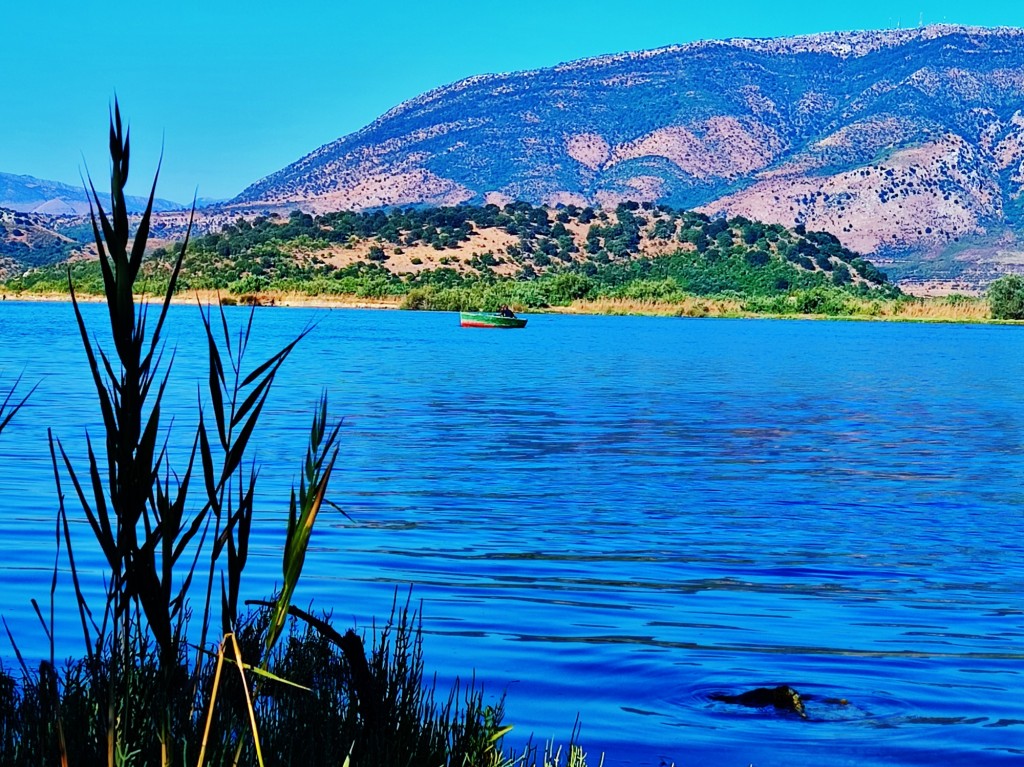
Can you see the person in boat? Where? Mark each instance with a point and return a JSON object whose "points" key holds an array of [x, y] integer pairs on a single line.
{"points": [[504, 311]]}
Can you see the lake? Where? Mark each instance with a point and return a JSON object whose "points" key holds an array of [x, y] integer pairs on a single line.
{"points": [[617, 517]]}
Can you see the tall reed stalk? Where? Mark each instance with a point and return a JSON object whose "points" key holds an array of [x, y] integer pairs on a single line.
{"points": [[144, 694], [136, 504], [9, 406]]}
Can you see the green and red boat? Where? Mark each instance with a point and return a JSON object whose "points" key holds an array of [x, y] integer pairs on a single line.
{"points": [[490, 320]]}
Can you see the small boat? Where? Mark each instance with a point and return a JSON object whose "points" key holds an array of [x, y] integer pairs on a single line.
{"points": [[489, 320]]}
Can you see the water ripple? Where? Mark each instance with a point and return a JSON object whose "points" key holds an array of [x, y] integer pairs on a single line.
{"points": [[620, 516]]}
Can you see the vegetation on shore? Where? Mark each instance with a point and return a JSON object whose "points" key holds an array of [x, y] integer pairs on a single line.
{"points": [[278, 685], [1006, 297], [480, 257], [637, 259]]}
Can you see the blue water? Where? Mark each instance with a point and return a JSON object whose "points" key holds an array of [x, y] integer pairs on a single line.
{"points": [[617, 517]]}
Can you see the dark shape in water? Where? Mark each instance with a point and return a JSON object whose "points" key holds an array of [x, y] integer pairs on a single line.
{"points": [[781, 698]]}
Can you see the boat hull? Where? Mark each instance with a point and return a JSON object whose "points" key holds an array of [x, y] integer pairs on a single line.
{"points": [[489, 320]]}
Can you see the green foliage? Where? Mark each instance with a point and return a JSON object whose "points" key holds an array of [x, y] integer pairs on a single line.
{"points": [[566, 287], [652, 290], [9, 406], [316, 720], [1006, 298], [714, 257], [821, 301], [520, 296], [248, 285]]}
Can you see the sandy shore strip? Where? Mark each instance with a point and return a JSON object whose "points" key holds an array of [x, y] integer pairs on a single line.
{"points": [[937, 310], [213, 297]]}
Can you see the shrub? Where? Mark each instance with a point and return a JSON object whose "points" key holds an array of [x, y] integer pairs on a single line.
{"points": [[757, 257], [566, 287], [1006, 298], [841, 275], [249, 284], [820, 301]]}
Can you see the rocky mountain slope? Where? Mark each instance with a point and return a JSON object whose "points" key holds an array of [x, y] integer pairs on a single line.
{"points": [[31, 239], [27, 194], [906, 144]]}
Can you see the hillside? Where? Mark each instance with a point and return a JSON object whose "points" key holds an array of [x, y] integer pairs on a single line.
{"points": [[30, 240], [530, 257], [27, 194], [907, 145]]}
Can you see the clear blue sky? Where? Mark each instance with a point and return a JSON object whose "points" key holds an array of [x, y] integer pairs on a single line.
{"points": [[239, 90]]}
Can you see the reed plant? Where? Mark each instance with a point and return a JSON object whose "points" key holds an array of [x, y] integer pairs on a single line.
{"points": [[10, 404], [275, 684]]}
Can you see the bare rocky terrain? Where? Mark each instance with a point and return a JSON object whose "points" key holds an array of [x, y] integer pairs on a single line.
{"points": [[906, 144]]}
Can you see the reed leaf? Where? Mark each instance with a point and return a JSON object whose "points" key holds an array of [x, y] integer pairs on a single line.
{"points": [[238, 550], [142, 233], [106, 407], [9, 410], [216, 382], [276, 360], [303, 508], [97, 521], [209, 476], [62, 520]]}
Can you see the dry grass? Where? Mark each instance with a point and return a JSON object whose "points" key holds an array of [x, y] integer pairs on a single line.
{"points": [[213, 297], [689, 307], [948, 309], [954, 308]]}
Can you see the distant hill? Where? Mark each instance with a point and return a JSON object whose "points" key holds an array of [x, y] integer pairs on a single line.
{"points": [[31, 240], [27, 194], [466, 256], [908, 145]]}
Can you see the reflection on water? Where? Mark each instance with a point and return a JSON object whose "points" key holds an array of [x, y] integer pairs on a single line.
{"points": [[620, 516]]}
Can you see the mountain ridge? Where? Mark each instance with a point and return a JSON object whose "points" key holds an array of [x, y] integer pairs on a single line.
{"points": [[848, 119], [28, 194]]}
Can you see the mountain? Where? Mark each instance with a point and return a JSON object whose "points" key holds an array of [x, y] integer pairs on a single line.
{"points": [[908, 145], [27, 194]]}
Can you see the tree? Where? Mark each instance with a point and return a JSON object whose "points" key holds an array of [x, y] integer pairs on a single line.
{"points": [[841, 275], [757, 257], [1006, 298]]}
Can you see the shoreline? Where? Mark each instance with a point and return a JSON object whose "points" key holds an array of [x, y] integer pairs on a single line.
{"points": [[931, 310], [213, 297]]}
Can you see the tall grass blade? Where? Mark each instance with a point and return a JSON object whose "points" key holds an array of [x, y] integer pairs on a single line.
{"points": [[302, 513], [62, 519], [109, 421], [17, 650], [7, 410]]}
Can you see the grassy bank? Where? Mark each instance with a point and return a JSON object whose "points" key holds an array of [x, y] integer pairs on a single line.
{"points": [[947, 309], [954, 308], [482, 257]]}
